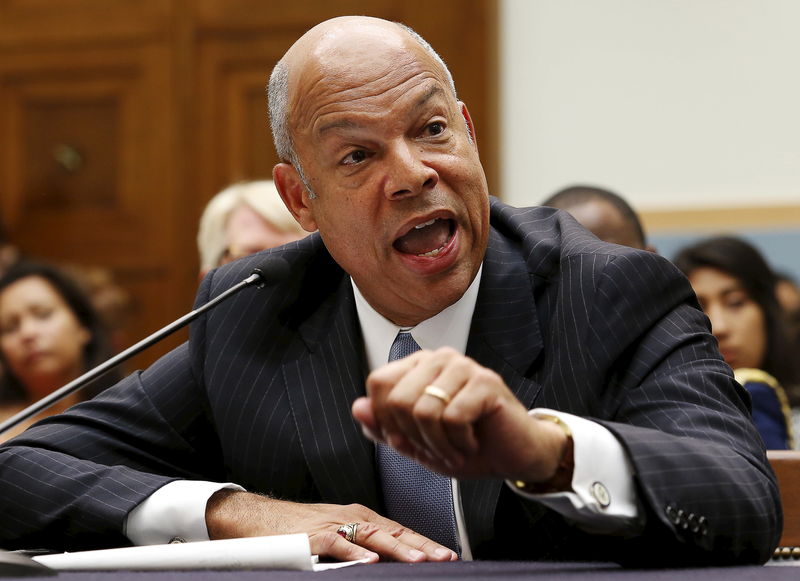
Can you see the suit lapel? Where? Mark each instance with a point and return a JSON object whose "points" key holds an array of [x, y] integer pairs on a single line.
{"points": [[326, 372], [322, 384], [505, 325], [505, 337]]}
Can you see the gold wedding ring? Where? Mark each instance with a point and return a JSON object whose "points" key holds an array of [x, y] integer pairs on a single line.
{"points": [[438, 393], [348, 531]]}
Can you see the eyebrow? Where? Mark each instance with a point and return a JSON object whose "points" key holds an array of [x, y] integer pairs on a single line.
{"points": [[433, 90], [343, 124], [348, 124]]}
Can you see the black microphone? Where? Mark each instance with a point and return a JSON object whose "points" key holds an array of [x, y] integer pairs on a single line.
{"points": [[273, 270]]}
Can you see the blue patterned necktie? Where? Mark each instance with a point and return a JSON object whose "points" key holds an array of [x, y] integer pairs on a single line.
{"points": [[414, 496]]}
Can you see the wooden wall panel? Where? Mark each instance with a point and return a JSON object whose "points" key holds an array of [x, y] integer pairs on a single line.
{"points": [[39, 23], [86, 171], [251, 36], [232, 74], [721, 219], [120, 119]]}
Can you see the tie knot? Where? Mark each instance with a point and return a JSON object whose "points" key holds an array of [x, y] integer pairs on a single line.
{"points": [[403, 346]]}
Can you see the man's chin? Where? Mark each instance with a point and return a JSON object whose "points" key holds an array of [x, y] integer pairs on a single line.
{"points": [[427, 298]]}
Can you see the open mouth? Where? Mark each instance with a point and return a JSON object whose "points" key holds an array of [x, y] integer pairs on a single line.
{"points": [[427, 239]]}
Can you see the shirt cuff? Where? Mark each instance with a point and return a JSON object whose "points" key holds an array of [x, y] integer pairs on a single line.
{"points": [[177, 510], [603, 498]]}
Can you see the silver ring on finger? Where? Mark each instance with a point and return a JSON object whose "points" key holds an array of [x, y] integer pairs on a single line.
{"points": [[348, 531]]}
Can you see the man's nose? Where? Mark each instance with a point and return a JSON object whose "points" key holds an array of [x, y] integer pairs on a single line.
{"points": [[408, 174]]}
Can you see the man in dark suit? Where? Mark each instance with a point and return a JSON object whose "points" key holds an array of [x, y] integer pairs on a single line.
{"points": [[571, 387]]}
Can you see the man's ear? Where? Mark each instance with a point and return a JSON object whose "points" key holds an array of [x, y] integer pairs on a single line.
{"points": [[468, 120], [294, 194]]}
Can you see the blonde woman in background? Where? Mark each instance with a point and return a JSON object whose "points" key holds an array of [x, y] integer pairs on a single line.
{"points": [[243, 219]]}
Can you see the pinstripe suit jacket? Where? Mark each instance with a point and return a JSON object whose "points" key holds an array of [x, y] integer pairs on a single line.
{"points": [[261, 396]]}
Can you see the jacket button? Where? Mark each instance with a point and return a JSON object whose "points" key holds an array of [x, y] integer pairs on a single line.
{"points": [[702, 524]]}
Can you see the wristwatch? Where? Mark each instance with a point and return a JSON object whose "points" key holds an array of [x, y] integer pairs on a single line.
{"points": [[561, 481]]}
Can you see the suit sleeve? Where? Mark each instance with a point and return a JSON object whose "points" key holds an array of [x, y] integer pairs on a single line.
{"points": [[700, 467], [71, 480]]}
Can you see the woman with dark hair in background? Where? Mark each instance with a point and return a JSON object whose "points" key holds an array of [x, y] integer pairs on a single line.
{"points": [[49, 335], [736, 288]]}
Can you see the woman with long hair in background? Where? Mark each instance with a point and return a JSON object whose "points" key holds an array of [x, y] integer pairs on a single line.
{"points": [[736, 288]]}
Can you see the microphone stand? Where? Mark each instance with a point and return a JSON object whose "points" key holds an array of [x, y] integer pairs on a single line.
{"points": [[257, 277]]}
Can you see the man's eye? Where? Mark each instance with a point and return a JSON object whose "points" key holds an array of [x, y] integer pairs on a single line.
{"points": [[355, 157], [435, 128]]}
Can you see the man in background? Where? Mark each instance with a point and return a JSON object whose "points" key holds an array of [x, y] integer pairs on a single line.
{"points": [[605, 214]]}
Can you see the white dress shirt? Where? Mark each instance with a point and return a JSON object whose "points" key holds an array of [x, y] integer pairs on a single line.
{"points": [[603, 498]]}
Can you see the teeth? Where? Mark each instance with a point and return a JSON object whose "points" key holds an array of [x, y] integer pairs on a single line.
{"points": [[432, 252], [419, 226]]}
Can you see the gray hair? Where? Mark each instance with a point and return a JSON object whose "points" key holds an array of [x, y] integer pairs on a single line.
{"points": [[278, 100]]}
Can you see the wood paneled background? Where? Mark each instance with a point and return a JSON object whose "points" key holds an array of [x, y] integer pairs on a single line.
{"points": [[119, 119]]}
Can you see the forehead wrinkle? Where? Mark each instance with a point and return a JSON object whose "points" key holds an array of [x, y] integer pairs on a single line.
{"points": [[352, 91], [336, 78], [333, 80], [349, 124]]}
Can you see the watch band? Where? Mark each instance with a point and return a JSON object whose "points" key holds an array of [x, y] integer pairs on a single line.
{"points": [[561, 481]]}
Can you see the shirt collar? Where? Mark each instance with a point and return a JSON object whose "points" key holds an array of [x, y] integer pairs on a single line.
{"points": [[450, 328]]}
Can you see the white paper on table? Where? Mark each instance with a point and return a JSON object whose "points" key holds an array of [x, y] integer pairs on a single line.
{"points": [[273, 552]]}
